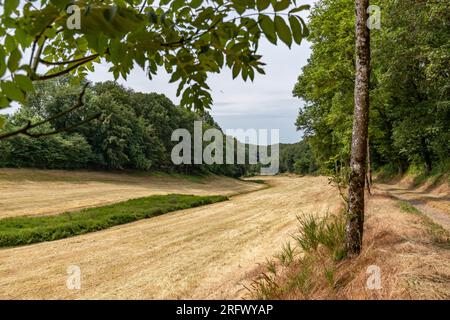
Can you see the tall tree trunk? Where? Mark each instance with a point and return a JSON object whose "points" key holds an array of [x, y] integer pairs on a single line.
{"points": [[355, 220]]}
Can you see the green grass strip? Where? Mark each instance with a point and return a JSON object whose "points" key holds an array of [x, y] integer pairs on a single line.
{"points": [[25, 230]]}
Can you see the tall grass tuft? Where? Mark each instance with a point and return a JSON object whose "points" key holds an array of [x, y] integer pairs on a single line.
{"points": [[318, 247], [328, 231]]}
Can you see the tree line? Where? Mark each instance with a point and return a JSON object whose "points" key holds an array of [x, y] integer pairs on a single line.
{"points": [[133, 131], [297, 158]]}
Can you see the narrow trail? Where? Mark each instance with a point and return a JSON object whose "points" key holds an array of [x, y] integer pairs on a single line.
{"points": [[436, 207], [199, 253]]}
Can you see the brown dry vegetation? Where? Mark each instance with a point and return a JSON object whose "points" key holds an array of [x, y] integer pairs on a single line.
{"points": [[433, 199], [216, 250], [204, 252], [412, 252], [43, 192]]}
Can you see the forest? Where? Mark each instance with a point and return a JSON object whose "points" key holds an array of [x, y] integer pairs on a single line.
{"points": [[409, 127]]}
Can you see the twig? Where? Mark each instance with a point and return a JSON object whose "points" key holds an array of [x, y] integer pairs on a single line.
{"points": [[63, 129], [143, 6], [25, 129], [65, 71], [34, 59], [60, 63], [368, 185]]}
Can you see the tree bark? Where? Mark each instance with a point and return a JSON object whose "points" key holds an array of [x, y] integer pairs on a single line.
{"points": [[427, 157], [369, 165], [355, 220]]}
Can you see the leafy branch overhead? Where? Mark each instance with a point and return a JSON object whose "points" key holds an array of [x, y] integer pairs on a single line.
{"points": [[189, 39]]}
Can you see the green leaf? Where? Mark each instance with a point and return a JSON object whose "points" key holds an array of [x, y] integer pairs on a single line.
{"points": [[12, 91], [305, 28], [2, 63], [195, 3], [10, 6], [22, 38], [177, 4], [301, 8], [14, 59], [244, 74], [175, 76], [262, 4], [24, 82], [283, 30], [236, 70], [268, 28], [10, 43], [251, 74], [260, 70], [282, 5], [110, 13], [218, 57], [2, 121], [296, 29], [4, 103]]}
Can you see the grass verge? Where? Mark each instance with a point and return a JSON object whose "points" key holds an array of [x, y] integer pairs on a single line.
{"points": [[438, 234], [409, 251], [25, 230], [439, 174], [307, 266]]}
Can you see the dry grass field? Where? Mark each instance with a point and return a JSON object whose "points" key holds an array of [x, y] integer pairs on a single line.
{"points": [[203, 252], [214, 250], [43, 192], [406, 237]]}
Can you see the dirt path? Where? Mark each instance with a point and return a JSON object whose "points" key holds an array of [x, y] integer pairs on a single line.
{"points": [[435, 205], [200, 253], [43, 192]]}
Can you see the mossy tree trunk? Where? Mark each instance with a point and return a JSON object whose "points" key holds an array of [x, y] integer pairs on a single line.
{"points": [[355, 222]]}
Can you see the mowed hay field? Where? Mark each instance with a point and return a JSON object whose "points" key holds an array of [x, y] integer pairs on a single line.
{"points": [[204, 252], [43, 192]]}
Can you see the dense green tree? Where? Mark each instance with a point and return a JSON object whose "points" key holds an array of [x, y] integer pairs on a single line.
{"points": [[327, 83], [410, 85], [412, 57], [297, 158], [409, 92], [53, 152]]}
